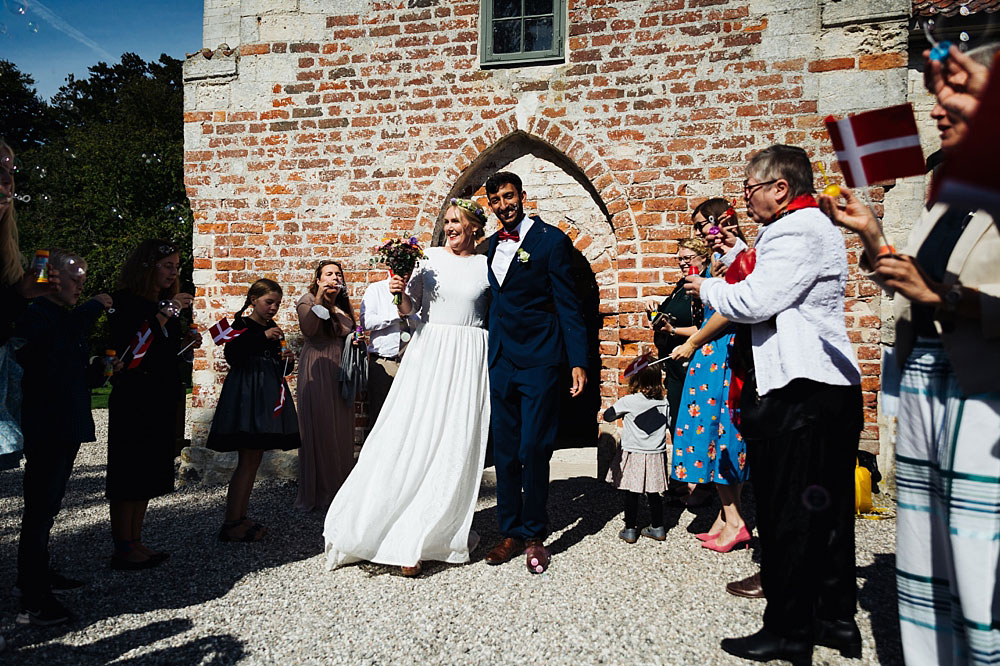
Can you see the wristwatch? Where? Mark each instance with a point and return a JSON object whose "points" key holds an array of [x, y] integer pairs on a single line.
{"points": [[951, 298]]}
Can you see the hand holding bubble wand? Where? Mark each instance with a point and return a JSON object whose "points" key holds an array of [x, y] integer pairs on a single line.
{"points": [[832, 190]]}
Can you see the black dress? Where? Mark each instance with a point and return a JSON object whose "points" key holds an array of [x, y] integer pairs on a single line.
{"points": [[142, 409], [682, 311], [244, 417]]}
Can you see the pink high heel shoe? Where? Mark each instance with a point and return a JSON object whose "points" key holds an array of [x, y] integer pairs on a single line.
{"points": [[742, 537], [706, 536]]}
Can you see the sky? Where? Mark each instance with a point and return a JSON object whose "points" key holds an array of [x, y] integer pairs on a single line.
{"points": [[49, 39]]}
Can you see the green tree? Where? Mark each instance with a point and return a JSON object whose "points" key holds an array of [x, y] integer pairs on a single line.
{"points": [[27, 119], [107, 172], [111, 174]]}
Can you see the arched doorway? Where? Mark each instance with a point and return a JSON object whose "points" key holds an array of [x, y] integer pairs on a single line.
{"points": [[561, 194]]}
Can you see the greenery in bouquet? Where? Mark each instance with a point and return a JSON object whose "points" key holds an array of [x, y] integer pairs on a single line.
{"points": [[399, 255]]}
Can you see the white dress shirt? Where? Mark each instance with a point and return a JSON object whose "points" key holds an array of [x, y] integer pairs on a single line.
{"points": [[506, 249], [380, 317], [729, 257], [795, 300]]}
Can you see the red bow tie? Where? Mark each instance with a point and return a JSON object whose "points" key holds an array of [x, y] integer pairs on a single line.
{"points": [[510, 235]]}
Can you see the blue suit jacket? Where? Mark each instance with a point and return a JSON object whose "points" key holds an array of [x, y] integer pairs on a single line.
{"points": [[535, 317]]}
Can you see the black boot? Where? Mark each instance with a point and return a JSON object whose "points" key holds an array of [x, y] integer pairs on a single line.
{"points": [[765, 646], [842, 635]]}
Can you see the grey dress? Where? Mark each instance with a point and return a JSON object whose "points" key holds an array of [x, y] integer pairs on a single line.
{"points": [[326, 420]]}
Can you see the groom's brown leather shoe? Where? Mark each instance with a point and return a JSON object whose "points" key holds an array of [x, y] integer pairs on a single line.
{"points": [[505, 550], [749, 587], [536, 556]]}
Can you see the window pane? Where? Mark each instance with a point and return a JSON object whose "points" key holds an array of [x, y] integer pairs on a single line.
{"points": [[538, 34], [507, 36], [534, 7], [506, 8]]}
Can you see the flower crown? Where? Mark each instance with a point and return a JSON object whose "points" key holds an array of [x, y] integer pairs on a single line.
{"points": [[471, 206]]}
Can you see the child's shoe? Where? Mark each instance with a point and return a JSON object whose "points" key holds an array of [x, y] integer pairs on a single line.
{"points": [[629, 535], [658, 533]]}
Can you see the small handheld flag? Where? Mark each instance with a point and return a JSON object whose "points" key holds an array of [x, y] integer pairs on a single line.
{"points": [[222, 332], [877, 145], [140, 343], [639, 364]]}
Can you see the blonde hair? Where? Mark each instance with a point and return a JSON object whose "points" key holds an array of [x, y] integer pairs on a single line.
{"points": [[11, 268], [696, 245]]}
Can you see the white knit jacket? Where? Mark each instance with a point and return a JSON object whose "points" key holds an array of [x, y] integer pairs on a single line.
{"points": [[795, 300]]}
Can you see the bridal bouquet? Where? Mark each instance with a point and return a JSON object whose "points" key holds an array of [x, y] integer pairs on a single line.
{"points": [[400, 256]]}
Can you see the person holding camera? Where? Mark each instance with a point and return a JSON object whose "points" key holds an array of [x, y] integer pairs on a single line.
{"points": [[675, 319], [326, 419]]}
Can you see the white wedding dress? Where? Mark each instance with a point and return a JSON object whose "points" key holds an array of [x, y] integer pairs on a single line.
{"points": [[413, 492]]}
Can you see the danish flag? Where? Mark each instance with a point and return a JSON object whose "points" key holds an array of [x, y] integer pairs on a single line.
{"points": [[222, 332], [140, 343], [280, 405], [877, 145], [637, 365]]}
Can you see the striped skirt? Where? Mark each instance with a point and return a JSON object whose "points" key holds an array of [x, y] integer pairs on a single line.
{"points": [[948, 533]]}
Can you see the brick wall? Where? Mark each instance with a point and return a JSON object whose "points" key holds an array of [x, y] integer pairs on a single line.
{"points": [[317, 133]]}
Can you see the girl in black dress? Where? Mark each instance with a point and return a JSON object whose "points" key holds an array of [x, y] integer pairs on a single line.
{"points": [[142, 409], [255, 410]]}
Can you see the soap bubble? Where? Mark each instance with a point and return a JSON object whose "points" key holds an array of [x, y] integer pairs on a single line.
{"points": [[40, 171], [816, 498], [963, 36], [69, 153], [74, 268], [44, 198], [32, 27], [171, 208], [169, 308], [18, 7], [116, 213], [23, 198], [3, 30], [963, 10]]}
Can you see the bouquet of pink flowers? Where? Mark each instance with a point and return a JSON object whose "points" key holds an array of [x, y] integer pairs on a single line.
{"points": [[400, 256]]}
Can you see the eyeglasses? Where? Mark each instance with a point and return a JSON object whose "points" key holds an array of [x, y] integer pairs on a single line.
{"points": [[686, 258], [749, 189]]}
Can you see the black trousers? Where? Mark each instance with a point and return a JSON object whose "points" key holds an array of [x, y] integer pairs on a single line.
{"points": [[803, 479], [46, 472], [632, 509]]}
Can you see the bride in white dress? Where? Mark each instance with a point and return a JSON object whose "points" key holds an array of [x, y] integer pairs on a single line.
{"points": [[413, 492]]}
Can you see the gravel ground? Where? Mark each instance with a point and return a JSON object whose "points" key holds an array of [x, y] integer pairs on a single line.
{"points": [[602, 601]]}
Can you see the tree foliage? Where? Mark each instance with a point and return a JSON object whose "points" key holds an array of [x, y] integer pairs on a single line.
{"points": [[104, 164], [109, 173]]}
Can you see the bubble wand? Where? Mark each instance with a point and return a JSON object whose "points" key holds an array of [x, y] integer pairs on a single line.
{"points": [[833, 190]]}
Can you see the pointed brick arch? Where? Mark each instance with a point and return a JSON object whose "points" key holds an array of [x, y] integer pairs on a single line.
{"points": [[555, 142]]}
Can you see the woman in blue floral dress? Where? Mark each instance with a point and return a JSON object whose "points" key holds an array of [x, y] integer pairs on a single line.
{"points": [[707, 448]]}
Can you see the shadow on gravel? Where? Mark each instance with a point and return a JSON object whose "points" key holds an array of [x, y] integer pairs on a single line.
{"points": [[878, 597], [201, 569], [207, 651]]}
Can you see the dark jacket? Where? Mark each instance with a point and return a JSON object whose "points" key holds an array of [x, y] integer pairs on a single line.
{"points": [[58, 374], [535, 317]]}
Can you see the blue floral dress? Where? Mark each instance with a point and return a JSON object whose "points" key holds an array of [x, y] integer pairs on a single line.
{"points": [[706, 446]]}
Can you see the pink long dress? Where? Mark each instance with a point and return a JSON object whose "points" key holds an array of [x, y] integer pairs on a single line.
{"points": [[326, 420]]}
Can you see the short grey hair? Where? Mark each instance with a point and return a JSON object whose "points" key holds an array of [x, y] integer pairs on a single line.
{"points": [[789, 163]]}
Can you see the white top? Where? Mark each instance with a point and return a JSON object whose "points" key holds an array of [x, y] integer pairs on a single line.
{"points": [[506, 249], [448, 289], [795, 299], [380, 317], [644, 429]]}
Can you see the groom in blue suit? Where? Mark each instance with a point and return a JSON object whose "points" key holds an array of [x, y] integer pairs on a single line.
{"points": [[535, 327]]}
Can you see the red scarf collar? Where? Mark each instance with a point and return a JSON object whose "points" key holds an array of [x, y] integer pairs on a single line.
{"points": [[798, 203]]}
